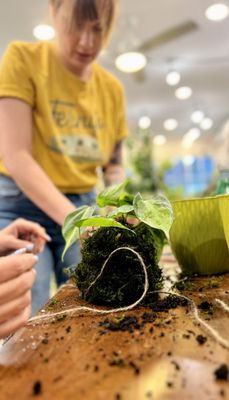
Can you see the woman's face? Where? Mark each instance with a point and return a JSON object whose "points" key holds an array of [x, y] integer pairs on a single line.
{"points": [[80, 45]]}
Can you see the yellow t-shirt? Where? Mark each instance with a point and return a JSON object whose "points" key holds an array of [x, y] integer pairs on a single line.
{"points": [[76, 124]]}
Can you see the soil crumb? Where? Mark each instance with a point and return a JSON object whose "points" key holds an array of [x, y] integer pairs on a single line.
{"points": [[222, 372], [37, 388]]}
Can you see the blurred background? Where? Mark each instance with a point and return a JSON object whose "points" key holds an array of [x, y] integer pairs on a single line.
{"points": [[172, 57]]}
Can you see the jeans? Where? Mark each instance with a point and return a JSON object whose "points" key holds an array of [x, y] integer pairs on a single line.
{"points": [[14, 204]]}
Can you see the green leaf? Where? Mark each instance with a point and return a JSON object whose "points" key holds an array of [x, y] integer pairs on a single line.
{"points": [[100, 221], [156, 212], [70, 230], [121, 211], [114, 196]]}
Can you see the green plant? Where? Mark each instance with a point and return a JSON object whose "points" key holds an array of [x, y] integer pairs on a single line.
{"points": [[140, 163], [123, 281], [171, 193]]}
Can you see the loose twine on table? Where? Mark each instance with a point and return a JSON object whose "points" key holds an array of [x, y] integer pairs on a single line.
{"points": [[213, 332]]}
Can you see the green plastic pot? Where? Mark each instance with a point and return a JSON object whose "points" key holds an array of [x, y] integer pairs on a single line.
{"points": [[199, 235]]}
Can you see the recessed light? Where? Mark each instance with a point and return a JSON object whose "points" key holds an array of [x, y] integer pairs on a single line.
{"points": [[206, 123], [144, 122], [193, 134], [190, 137], [170, 124], [159, 140], [217, 12], [173, 78], [130, 62], [44, 32], [197, 116], [183, 93]]}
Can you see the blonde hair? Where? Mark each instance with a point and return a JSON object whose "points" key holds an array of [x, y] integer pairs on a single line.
{"points": [[88, 10]]}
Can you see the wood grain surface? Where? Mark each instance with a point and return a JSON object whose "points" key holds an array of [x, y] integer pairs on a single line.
{"points": [[159, 358]]}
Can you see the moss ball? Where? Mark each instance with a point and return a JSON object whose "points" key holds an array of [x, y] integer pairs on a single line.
{"points": [[122, 281]]}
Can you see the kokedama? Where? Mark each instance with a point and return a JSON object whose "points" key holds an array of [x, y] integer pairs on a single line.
{"points": [[122, 280]]}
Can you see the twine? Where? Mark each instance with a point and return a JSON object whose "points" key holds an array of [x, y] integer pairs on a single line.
{"points": [[213, 332], [222, 304], [99, 311]]}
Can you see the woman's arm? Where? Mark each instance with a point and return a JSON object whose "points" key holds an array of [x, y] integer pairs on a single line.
{"points": [[16, 153], [113, 172]]}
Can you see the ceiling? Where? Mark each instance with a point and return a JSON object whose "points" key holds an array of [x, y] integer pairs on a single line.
{"points": [[201, 57]]}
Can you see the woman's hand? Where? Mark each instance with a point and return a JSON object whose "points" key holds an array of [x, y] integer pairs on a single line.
{"points": [[17, 276], [22, 233], [88, 232], [113, 174]]}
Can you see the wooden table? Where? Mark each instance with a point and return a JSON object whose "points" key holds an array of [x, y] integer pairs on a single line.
{"points": [[78, 358]]}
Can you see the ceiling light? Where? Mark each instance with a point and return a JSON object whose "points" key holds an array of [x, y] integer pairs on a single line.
{"points": [[130, 62], [159, 140], [190, 137], [144, 122], [170, 124], [197, 117], [206, 124], [193, 134], [217, 12], [183, 93], [173, 78], [44, 32]]}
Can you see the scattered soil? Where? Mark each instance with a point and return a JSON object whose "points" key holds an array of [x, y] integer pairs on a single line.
{"points": [[201, 339], [121, 324], [130, 323], [37, 388], [169, 302], [68, 329], [205, 306], [222, 372]]}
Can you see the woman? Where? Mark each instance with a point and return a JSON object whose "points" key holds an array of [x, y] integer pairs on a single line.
{"points": [[17, 273], [61, 116]]}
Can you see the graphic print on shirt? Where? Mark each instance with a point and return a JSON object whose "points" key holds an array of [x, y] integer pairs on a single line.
{"points": [[76, 136]]}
